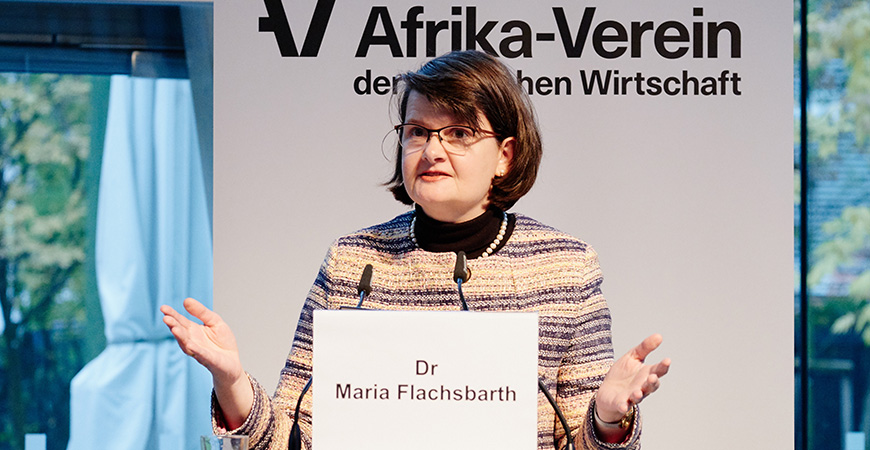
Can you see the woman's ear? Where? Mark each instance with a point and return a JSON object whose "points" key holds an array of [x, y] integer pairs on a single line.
{"points": [[505, 156]]}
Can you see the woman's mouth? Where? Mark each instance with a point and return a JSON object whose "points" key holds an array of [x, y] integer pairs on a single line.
{"points": [[431, 175]]}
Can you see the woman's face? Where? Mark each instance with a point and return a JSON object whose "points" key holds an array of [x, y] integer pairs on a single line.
{"points": [[451, 187]]}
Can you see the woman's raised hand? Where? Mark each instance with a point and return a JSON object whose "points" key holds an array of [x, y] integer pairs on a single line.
{"points": [[630, 380], [211, 343]]}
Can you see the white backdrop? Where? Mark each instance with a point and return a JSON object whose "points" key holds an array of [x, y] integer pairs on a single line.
{"points": [[687, 198]]}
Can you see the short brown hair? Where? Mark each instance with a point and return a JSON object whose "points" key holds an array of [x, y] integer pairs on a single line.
{"points": [[467, 83]]}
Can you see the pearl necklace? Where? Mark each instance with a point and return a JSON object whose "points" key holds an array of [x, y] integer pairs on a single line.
{"points": [[489, 250]]}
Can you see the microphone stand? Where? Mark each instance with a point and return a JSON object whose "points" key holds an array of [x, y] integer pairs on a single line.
{"points": [[295, 432], [559, 414], [363, 289]]}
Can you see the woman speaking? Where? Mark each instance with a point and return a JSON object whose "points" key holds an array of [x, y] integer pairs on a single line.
{"points": [[467, 148]]}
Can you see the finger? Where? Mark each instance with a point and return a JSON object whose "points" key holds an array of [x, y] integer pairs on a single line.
{"points": [[624, 407], [180, 334], [661, 369], [647, 346], [170, 322], [636, 396], [198, 310], [176, 328], [170, 312], [652, 384]]}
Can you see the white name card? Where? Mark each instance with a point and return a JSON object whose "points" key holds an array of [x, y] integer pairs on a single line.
{"points": [[425, 380]]}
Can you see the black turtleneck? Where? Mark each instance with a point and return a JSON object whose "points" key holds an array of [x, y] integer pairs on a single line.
{"points": [[473, 237]]}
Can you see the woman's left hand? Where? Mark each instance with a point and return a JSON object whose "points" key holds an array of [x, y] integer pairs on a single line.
{"points": [[629, 381]]}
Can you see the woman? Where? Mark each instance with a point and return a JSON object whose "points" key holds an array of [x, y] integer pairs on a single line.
{"points": [[468, 149]]}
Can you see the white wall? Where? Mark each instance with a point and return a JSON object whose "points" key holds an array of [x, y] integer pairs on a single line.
{"points": [[688, 199]]}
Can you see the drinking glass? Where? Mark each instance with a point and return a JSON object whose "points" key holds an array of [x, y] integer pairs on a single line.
{"points": [[224, 442]]}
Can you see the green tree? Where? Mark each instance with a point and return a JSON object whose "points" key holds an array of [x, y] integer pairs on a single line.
{"points": [[44, 143]]}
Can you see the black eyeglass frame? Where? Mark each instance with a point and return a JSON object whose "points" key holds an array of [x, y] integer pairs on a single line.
{"points": [[474, 133]]}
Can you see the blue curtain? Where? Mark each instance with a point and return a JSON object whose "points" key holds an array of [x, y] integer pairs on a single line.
{"points": [[153, 247]]}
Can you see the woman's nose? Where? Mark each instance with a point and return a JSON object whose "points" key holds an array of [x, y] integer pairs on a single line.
{"points": [[434, 150]]}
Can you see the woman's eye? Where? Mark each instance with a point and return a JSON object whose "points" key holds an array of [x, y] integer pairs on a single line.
{"points": [[458, 133], [416, 132]]}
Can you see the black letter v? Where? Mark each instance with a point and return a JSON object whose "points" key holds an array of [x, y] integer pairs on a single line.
{"points": [[573, 49], [277, 23]]}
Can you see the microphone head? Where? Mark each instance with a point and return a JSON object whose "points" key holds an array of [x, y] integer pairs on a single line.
{"points": [[461, 270], [365, 282]]}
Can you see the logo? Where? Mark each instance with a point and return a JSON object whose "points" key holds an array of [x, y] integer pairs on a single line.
{"points": [[610, 39], [277, 23]]}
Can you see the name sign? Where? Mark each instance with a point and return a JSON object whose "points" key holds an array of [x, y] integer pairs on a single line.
{"points": [[425, 380]]}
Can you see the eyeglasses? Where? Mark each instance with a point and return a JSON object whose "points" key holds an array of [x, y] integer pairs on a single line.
{"points": [[456, 139]]}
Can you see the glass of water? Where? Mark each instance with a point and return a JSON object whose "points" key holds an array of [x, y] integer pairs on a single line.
{"points": [[224, 442]]}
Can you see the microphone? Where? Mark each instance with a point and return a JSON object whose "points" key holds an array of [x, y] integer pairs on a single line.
{"points": [[364, 287], [461, 273]]}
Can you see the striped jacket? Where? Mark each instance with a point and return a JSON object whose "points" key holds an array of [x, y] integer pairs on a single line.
{"points": [[538, 269]]}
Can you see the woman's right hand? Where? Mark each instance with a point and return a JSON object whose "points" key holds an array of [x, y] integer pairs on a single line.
{"points": [[212, 343]]}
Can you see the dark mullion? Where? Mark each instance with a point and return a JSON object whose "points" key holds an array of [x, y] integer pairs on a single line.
{"points": [[803, 444]]}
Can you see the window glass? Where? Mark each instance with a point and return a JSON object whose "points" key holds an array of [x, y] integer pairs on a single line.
{"points": [[838, 223], [45, 149], [53, 122]]}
